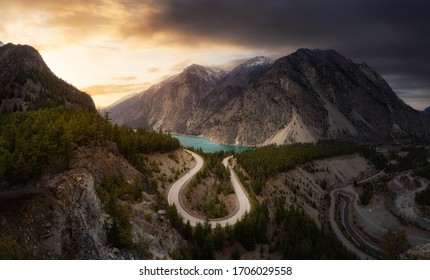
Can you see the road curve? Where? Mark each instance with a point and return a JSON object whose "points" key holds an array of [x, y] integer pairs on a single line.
{"points": [[334, 226], [174, 192], [243, 200], [339, 233], [354, 235]]}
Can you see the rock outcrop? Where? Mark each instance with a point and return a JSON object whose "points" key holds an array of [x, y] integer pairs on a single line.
{"points": [[420, 252], [63, 218]]}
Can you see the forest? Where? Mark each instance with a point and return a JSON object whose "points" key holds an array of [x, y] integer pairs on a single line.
{"points": [[204, 241], [408, 158], [423, 197], [23, 66], [32, 141], [265, 162], [211, 205], [298, 237]]}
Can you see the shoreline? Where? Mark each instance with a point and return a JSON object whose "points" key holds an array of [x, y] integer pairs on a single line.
{"points": [[207, 142]]}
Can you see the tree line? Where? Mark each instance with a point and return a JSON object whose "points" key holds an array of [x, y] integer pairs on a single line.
{"points": [[298, 237], [265, 162], [32, 141], [204, 241]]}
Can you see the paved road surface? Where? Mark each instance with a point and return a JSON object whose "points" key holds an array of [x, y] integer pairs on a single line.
{"points": [[173, 195], [352, 232], [335, 227]]}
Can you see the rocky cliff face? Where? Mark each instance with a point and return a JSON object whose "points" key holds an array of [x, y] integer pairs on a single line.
{"points": [[63, 217], [420, 252], [183, 102], [314, 95], [172, 104], [26, 83], [307, 96]]}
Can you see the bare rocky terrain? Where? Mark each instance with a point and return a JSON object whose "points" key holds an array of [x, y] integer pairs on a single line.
{"points": [[307, 96], [65, 218], [307, 186], [393, 209]]}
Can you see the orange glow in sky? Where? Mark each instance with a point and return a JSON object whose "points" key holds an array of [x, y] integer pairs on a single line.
{"points": [[112, 48], [100, 47]]}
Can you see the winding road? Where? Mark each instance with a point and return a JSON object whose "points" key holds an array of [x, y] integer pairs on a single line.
{"points": [[175, 189], [351, 232], [350, 198], [354, 235]]}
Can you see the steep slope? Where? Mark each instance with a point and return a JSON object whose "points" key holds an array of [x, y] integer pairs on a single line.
{"points": [[307, 96], [184, 102], [426, 111], [171, 104], [230, 87], [64, 218], [26, 83], [314, 95]]}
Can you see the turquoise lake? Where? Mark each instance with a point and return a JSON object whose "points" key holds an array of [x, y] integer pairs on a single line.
{"points": [[206, 145]]}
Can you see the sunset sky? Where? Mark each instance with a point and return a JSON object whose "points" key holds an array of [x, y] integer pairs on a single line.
{"points": [[111, 48]]}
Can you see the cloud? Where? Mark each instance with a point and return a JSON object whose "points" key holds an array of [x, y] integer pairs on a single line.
{"points": [[152, 70], [115, 88], [180, 66], [124, 78], [391, 36], [65, 22]]}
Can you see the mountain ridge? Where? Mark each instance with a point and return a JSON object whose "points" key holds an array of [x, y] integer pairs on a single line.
{"points": [[185, 85], [307, 96]]}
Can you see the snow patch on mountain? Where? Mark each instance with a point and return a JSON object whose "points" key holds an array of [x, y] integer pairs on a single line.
{"points": [[205, 73], [259, 60]]}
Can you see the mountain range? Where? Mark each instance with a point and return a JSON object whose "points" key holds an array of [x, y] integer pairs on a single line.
{"points": [[426, 111], [307, 96], [27, 83]]}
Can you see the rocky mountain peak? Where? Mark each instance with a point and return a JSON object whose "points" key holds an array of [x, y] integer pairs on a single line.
{"points": [[1, 44], [319, 59], [23, 55], [426, 111], [206, 74], [312, 95], [307, 96], [257, 61]]}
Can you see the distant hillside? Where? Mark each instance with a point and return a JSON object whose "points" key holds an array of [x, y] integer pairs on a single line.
{"points": [[426, 111], [307, 96], [26, 83]]}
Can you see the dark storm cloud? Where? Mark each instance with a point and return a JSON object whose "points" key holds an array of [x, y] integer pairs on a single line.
{"points": [[391, 36]]}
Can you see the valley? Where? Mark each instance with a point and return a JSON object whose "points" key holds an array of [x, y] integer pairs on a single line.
{"points": [[175, 197], [310, 156]]}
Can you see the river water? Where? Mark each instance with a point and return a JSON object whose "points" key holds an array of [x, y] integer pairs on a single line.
{"points": [[206, 145]]}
